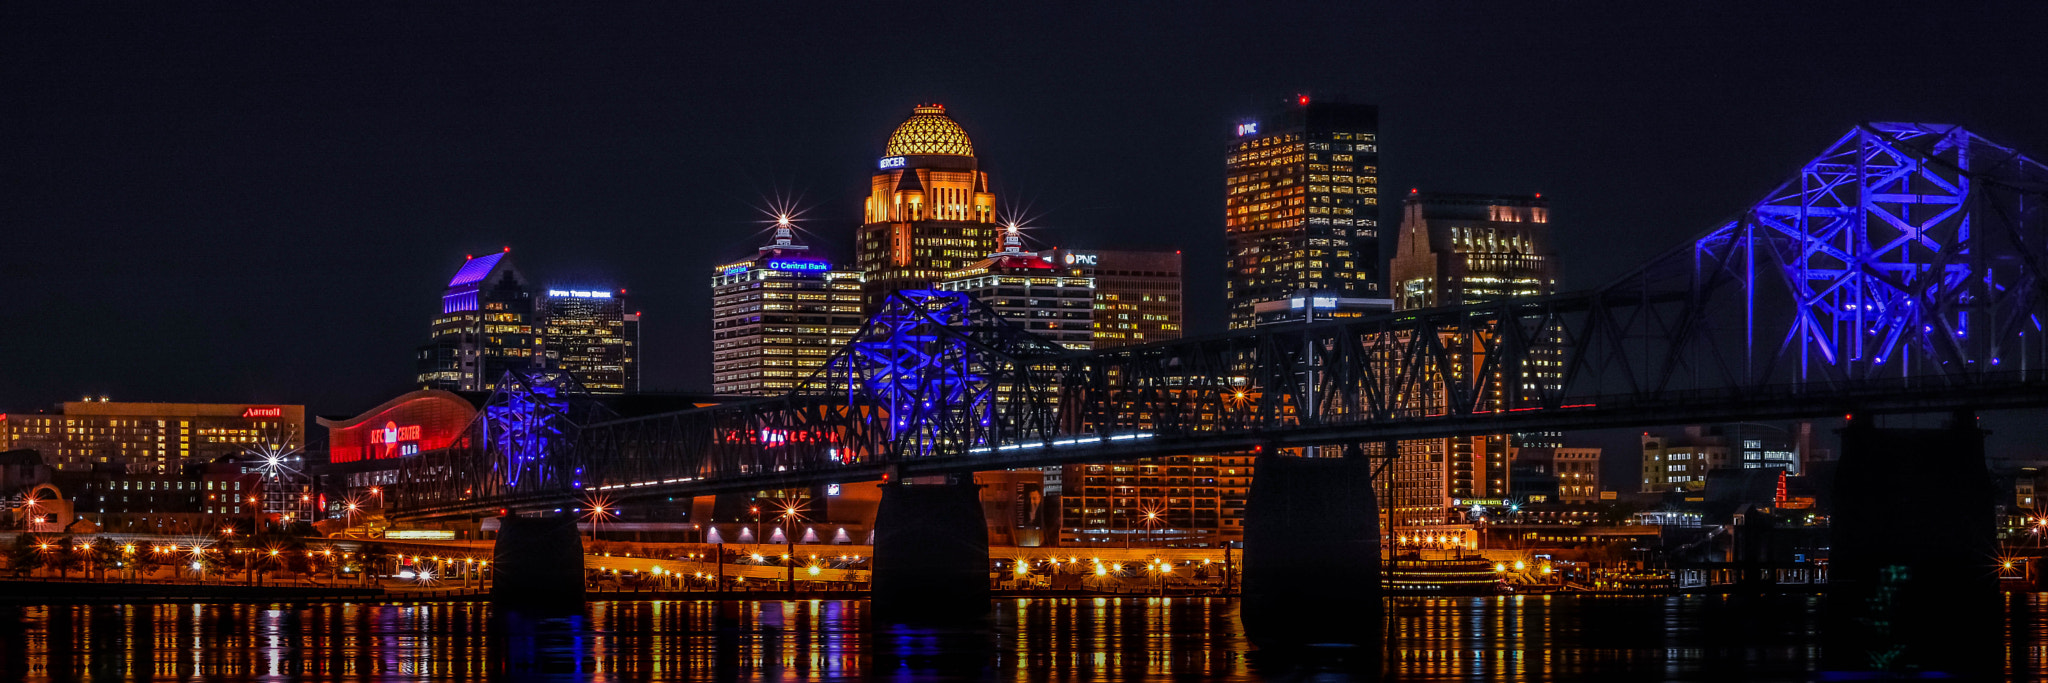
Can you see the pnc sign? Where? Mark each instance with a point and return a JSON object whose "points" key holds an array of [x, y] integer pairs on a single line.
{"points": [[1244, 129], [1077, 259], [261, 411]]}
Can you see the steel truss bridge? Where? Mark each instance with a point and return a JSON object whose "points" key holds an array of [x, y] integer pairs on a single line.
{"points": [[1902, 270]]}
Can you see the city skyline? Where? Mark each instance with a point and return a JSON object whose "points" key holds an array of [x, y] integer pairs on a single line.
{"points": [[1593, 152]]}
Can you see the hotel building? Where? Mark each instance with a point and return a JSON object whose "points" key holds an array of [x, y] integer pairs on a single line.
{"points": [[152, 437], [1458, 249]]}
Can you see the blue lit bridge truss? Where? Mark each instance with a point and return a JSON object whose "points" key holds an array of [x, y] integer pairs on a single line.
{"points": [[1900, 270]]}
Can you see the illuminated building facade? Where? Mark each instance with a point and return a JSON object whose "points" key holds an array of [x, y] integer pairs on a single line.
{"points": [[778, 317], [152, 437], [592, 334], [1026, 289], [929, 208], [1578, 474], [363, 452], [1178, 501], [1301, 206], [1457, 249], [1681, 462], [485, 327], [1469, 248], [1306, 306], [1137, 293]]}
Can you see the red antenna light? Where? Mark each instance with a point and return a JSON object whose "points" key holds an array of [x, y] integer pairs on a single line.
{"points": [[1303, 99], [1539, 195], [508, 250], [469, 257]]}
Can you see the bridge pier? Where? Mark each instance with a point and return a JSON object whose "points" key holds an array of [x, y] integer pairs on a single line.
{"points": [[1913, 571], [1312, 552], [931, 554], [537, 561]]}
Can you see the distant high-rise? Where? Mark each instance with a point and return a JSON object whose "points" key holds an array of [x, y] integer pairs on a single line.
{"points": [[592, 334], [485, 327], [1468, 248], [1137, 293], [929, 208], [1301, 206], [1458, 249], [1027, 290], [777, 317]]}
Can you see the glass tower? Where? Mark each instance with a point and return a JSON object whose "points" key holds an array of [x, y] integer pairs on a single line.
{"points": [[1301, 206]]}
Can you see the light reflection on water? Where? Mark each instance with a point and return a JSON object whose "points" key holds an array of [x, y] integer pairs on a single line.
{"points": [[1069, 639]]}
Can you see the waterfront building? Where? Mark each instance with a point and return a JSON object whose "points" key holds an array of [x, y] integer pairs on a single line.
{"points": [[778, 316], [1029, 291], [1138, 294], [593, 334], [1680, 462], [929, 208], [1578, 474], [365, 451], [1301, 206], [152, 437], [1457, 249], [484, 329]]}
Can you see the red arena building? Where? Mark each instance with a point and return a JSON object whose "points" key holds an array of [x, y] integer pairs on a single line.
{"points": [[364, 451]]}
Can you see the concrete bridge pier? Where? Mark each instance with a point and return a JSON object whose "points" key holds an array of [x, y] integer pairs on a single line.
{"points": [[1312, 553], [537, 561], [1913, 569], [931, 553]]}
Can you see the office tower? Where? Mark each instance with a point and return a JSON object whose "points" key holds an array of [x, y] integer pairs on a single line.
{"points": [[592, 334], [154, 437], [777, 317], [1470, 248], [1459, 249], [1027, 290], [1137, 293], [1301, 206], [929, 208], [485, 327]]}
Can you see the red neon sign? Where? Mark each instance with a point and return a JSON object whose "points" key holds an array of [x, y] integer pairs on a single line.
{"points": [[253, 411]]}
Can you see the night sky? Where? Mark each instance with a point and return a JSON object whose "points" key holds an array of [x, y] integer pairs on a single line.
{"points": [[234, 205]]}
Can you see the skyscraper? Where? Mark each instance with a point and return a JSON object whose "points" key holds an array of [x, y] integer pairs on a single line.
{"points": [[1301, 206], [485, 327], [1468, 248], [592, 334], [1029, 291], [1137, 293], [778, 316], [1457, 249], [929, 208]]}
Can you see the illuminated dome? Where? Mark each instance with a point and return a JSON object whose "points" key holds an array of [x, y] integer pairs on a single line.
{"points": [[929, 131]]}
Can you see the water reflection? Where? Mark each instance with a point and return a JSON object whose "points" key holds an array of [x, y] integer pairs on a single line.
{"points": [[1078, 639]]}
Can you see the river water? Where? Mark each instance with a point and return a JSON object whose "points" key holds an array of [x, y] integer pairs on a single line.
{"points": [[1063, 639]]}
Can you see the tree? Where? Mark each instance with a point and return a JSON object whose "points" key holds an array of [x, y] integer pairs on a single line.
{"points": [[104, 553], [25, 555]]}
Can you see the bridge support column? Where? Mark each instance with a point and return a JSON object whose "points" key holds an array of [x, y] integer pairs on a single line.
{"points": [[931, 554], [537, 561], [1312, 552], [1913, 571]]}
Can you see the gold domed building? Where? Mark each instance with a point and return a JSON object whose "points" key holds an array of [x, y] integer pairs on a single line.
{"points": [[929, 208]]}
